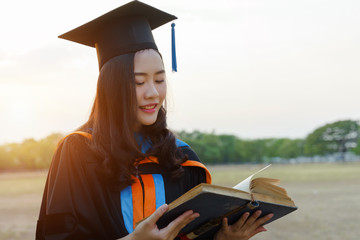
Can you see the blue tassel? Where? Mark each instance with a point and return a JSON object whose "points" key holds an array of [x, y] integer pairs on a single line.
{"points": [[173, 51]]}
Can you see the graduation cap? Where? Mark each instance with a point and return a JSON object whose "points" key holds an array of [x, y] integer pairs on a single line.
{"points": [[126, 29]]}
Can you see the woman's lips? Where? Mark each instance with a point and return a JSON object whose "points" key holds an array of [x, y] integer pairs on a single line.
{"points": [[149, 108]]}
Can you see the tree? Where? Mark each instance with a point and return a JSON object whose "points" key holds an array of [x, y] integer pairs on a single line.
{"points": [[252, 151], [30, 154], [46, 149], [283, 147], [356, 150], [291, 148], [228, 149], [339, 136]]}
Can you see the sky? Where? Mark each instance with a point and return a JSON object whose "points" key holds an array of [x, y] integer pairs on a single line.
{"points": [[252, 68]]}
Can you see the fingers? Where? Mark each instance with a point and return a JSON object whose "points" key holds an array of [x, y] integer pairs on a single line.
{"points": [[254, 222], [251, 223], [264, 219], [181, 221], [173, 229], [242, 220], [258, 230], [245, 221], [225, 225], [246, 227], [153, 218], [149, 230], [253, 218]]}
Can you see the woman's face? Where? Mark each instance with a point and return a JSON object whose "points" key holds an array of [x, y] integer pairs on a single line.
{"points": [[150, 85]]}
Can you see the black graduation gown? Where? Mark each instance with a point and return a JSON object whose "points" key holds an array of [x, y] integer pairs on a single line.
{"points": [[76, 205]]}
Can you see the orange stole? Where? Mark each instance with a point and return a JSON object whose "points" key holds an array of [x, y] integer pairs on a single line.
{"points": [[143, 198]]}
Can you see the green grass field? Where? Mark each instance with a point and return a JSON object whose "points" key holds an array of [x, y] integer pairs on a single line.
{"points": [[232, 174], [327, 195]]}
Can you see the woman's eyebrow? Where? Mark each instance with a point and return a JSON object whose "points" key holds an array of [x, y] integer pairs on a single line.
{"points": [[145, 74], [160, 72]]}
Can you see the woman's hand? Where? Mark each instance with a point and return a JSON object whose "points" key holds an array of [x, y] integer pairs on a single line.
{"points": [[246, 227], [148, 229]]}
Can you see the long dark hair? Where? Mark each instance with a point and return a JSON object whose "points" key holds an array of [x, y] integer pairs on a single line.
{"points": [[112, 122]]}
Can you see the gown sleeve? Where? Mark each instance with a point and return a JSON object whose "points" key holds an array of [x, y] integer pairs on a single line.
{"points": [[69, 208]]}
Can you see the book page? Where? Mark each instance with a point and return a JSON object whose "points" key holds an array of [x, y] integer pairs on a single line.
{"points": [[245, 184]]}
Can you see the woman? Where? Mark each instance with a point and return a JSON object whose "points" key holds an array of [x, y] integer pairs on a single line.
{"points": [[123, 164]]}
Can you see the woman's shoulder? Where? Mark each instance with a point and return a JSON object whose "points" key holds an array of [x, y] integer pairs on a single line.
{"points": [[78, 137], [73, 153], [74, 145], [193, 164], [187, 150]]}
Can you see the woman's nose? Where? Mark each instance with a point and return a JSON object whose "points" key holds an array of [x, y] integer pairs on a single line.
{"points": [[151, 91]]}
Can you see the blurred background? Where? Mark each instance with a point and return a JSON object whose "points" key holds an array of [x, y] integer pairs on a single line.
{"points": [[258, 82]]}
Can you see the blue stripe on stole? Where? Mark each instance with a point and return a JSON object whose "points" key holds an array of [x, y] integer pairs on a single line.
{"points": [[127, 208], [159, 189], [180, 143]]}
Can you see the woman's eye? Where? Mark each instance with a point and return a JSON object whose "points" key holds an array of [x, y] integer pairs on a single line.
{"points": [[160, 81], [139, 83]]}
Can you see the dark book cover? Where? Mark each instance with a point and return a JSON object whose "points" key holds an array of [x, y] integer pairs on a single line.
{"points": [[213, 206]]}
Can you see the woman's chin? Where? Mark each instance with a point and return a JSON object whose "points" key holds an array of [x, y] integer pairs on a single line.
{"points": [[147, 120]]}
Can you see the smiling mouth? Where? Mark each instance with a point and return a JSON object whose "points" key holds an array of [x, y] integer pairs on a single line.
{"points": [[148, 107]]}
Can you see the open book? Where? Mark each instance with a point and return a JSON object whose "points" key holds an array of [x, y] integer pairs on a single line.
{"points": [[216, 202]]}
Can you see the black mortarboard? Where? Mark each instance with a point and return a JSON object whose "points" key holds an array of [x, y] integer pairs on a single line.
{"points": [[123, 30]]}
